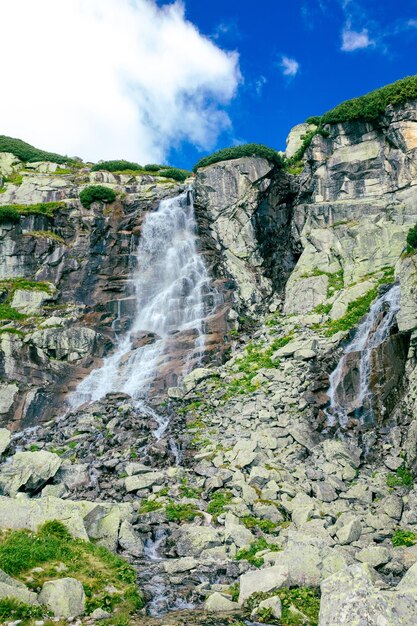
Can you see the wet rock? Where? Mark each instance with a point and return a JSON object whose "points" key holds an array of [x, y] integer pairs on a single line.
{"points": [[218, 603]]}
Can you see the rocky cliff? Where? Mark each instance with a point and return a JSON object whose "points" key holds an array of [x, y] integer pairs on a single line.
{"points": [[255, 487]]}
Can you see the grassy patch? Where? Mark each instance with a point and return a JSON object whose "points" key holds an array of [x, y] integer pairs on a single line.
{"points": [[294, 161], [27, 153], [181, 512], [218, 501], [249, 554], [12, 609], [401, 478], [403, 538], [28, 285], [11, 331], [336, 280], [9, 215], [10, 314], [94, 566], [246, 150], [45, 234], [41, 208], [189, 492], [372, 105], [265, 525], [306, 600], [147, 506]]}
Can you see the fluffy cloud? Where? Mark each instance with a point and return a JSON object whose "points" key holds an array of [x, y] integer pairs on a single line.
{"points": [[111, 78], [355, 40], [289, 67]]}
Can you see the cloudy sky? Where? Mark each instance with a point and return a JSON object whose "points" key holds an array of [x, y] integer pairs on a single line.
{"points": [[164, 81]]}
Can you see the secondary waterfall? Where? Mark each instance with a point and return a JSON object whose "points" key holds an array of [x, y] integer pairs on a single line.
{"points": [[372, 332], [173, 293]]}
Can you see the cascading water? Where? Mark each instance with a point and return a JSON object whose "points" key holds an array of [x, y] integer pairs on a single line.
{"points": [[371, 333], [173, 293]]}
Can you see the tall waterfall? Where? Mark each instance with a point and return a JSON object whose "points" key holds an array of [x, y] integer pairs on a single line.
{"points": [[173, 293], [371, 333]]}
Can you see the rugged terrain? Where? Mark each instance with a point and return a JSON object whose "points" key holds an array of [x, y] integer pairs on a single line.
{"points": [[254, 488]]}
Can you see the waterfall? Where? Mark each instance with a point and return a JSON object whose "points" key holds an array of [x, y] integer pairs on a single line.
{"points": [[371, 333], [173, 294]]}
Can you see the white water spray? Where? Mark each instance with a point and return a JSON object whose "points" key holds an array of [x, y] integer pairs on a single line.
{"points": [[371, 333], [173, 293]]}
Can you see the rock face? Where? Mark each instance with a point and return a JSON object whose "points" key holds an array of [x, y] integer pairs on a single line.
{"points": [[65, 597]]}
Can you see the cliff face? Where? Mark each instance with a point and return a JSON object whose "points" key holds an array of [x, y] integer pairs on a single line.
{"points": [[252, 454]]}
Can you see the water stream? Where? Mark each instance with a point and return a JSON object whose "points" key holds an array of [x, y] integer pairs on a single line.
{"points": [[371, 333], [173, 294]]}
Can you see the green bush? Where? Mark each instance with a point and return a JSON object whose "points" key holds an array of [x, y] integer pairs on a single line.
{"points": [[27, 153], [175, 174], [153, 167], [116, 166], [246, 150], [9, 214], [181, 512], [372, 105], [96, 193], [412, 238], [401, 478], [9, 313], [12, 609]]}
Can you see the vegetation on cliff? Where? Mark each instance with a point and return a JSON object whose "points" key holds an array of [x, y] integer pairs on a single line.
{"points": [[29, 154], [35, 558], [372, 105], [246, 150], [129, 167], [96, 193]]}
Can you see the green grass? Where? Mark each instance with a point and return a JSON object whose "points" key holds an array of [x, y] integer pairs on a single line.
{"points": [[12, 609], [27, 153], [41, 208], [336, 280], [116, 166], [403, 538], [401, 478], [303, 599], [249, 554], [11, 331], [181, 512], [94, 566], [9, 215], [148, 506], [96, 193], [372, 105], [28, 285], [9, 313], [189, 492], [44, 234], [175, 174], [265, 525], [246, 150], [218, 501], [296, 159]]}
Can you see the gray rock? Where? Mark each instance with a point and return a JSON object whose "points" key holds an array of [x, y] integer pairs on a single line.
{"points": [[143, 481], [349, 532], [18, 592], [5, 438], [273, 604], [264, 580], [28, 469], [65, 597], [218, 603], [129, 540]]}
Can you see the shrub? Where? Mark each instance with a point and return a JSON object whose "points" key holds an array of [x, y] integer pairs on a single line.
{"points": [[218, 501], [246, 150], [27, 153], [12, 609], [402, 478], [412, 238], [175, 174], [372, 105], [116, 166], [181, 512], [96, 193], [153, 167], [9, 214]]}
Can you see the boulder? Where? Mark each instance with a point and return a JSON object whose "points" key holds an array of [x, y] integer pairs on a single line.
{"points": [[30, 301], [192, 540], [30, 470], [7, 397], [273, 604], [5, 438], [18, 592], [218, 603], [129, 540], [350, 532], [65, 597], [176, 566], [143, 481], [263, 580]]}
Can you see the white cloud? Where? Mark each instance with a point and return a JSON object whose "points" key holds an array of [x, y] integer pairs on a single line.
{"points": [[111, 78], [290, 67], [355, 40], [259, 84], [412, 23]]}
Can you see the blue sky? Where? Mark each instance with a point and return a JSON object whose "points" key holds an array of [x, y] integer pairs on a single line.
{"points": [[335, 50], [168, 81]]}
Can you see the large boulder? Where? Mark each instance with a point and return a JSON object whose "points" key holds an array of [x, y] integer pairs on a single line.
{"points": [[5, 438], [17, 592], [192, 540], [65, 597], [263, 580], [28, 469]]}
